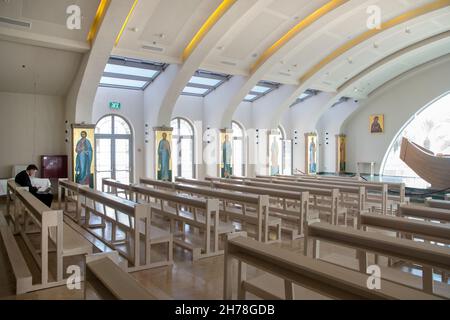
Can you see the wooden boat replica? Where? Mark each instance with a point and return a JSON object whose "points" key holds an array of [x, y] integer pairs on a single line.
{"points": [[433, 168]]}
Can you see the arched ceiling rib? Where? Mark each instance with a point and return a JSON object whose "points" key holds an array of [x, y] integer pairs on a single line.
{"points": [[357, 54]]}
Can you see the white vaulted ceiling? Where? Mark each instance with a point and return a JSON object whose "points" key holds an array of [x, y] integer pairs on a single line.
{"points": [[149, 36], [31, 69], [322, 52], [38, 53]]}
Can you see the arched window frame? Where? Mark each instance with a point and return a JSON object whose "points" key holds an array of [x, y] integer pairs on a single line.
{"points": [[178, 139], [243, 139], [418, 182], [113, 137], [286, 169]]}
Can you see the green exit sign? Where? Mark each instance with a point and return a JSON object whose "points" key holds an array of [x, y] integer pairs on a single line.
{"points": [[115, 105]]}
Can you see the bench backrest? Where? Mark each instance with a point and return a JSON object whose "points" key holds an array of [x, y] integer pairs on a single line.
{"points": [[425, 253], [421, 228], [441, 204], [325, 278], [410, 210]]}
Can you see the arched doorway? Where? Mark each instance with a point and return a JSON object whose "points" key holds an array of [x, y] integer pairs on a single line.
{"points": [[114, 145]]}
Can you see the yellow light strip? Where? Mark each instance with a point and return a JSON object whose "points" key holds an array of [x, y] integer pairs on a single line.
{"points": [[302, 25], [436, 5], [126, 22], [101, 10], [212, 20]]}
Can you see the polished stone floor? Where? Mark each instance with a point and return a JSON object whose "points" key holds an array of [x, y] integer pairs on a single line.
{"points": [[185, 279]]}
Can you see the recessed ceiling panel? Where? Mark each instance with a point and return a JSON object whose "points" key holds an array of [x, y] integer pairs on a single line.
{"points": [[168, 20], [250, 38], [297, 8]]}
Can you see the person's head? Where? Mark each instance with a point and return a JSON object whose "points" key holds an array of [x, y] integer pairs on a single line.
{"points": [[164, 135], [83, 134], [376, 119], [31, 170]]}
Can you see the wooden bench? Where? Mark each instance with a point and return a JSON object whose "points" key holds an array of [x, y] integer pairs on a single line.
{"points": [[19, 266], [37, 218], [376, 192], [352, 197], [292, 276], [293, 217], [202, 214], [13, 213], [134, 220], [427, 255], [330, 208], [241, 207], [441, 204], [67, 194], [424, 213], [110, 281]]}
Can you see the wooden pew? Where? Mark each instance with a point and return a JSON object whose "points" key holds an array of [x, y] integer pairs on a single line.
{"points": [[427, 255], [330, 208], [293, 217], [196, 213], [40, 219], [291, 276], [375, 191], [423, 229], [244, 208], [425, 213], [13, 214], [108, 279], [441, 204], [68, 192], [22, 274], [133, 219], [353, 196]]}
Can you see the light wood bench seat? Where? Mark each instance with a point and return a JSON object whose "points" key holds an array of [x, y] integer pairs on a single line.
{"points": [[426, 213], [332, 211], [425, 254], [291, 207], [133, 219], [114, 281], [441, 204], [324, 278], [19, 266], [260, 203]]}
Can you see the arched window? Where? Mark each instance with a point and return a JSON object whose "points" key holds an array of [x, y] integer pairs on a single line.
{"points": [[238, 149], [183, 148], [430, 128], [285, 158], [114, 156]]}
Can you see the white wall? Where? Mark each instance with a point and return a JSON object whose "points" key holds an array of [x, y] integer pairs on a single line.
{"points": [[30, 126], [331, 122], [132, 109], [398, 101]]}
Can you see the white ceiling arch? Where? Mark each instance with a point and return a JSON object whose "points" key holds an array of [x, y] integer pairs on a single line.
{"points": [[357, 58]]}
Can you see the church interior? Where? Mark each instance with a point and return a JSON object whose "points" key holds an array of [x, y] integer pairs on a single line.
{"points": [[224, 149]]}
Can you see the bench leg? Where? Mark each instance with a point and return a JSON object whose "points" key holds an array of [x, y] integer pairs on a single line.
{"points": [[242, 276], [288, 290], [427, 278]]}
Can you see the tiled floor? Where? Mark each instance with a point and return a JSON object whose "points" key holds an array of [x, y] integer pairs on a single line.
{"points": [[185, 280]]}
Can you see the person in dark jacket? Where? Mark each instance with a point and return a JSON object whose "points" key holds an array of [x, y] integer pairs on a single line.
{"points": [[23, 179]]}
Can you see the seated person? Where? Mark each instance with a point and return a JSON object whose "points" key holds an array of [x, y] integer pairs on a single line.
{"points": [[23, 179]]}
